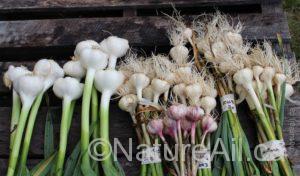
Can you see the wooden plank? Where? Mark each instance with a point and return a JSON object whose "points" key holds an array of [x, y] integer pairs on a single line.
{"points": [[140, 31], [39, 5]]}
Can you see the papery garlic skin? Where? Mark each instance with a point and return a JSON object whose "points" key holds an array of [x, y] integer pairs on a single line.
{"points": [[49, 70], [84, 45], [14, 73], [208, 104], [68, 88], [74, 69], [140, 81], [115, 47], [186, 125], [28, 87], [267, 76], [218, 49]]}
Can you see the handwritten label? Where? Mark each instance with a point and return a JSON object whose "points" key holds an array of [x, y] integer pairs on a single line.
{"points": [[272, 150], [228, 103], [151, 155], [203, 158]]}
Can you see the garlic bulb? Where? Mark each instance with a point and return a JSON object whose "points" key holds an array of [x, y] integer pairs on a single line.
{"points": [[159, 87], [208, 104], [241, 92], [108, 80], [74, 69], [139, 81], [148, 93], [193, 93], [49, 70], [219, 49], [115, 47], [186, 125], [267, 76], [93, 59], [289, 91], [28, 87], [128, 103], [14, 73], [177, 112], [279, 79], [184, 70], [68, 88], [155, 126], [179, 53], [179, 90], [234, 39], [83, 45], [209, 125], [188, 33], [194, 113]]}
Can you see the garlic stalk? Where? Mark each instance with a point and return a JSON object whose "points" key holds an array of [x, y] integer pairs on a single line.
{"points": [[68, 89], [92, 59], [28, 87], [107, 82]]}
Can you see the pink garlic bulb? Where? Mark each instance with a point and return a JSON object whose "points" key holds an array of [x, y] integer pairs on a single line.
{"points": [[177, 112], [155, 126], [209, 124], [194, 113]]}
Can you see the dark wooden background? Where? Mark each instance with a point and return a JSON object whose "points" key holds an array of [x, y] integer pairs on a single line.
{"points": [[34, 29]]}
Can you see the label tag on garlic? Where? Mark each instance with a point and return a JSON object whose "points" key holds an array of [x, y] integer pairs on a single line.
{"points": [[151, 155], [203, 158], [272, 150], [228, 103]]}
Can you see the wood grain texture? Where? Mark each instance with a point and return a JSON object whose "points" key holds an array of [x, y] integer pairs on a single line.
{"points": [[38, 5], [140, 31]]}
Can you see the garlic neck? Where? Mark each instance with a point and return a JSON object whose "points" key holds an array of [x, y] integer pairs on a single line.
{"points": [[112, 62]]}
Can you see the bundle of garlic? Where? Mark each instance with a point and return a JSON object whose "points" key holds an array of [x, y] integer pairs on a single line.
{"points": [[167, 97], [30, 87], [224, 54]]}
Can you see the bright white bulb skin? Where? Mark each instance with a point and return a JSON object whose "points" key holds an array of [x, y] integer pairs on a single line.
{"points": [[244, 76], [179, 52], [93, 59], [108, 80], [179, 90], [235, 39], [128, 103], [159, 87], [28, 87], [193, 92], [289, 90], [68, 88], [219, 49], [148, 93], [14, 73], [83, 45], [74, 69], [267, 76], [223, 67], [208, 104], [49, 70], [139, 81], [115, 47]]}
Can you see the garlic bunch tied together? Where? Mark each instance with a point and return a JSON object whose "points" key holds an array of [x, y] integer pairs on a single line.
{"points": [[225, 52], [68, 89]]}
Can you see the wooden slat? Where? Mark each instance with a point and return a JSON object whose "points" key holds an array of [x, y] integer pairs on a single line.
{"points": [[140, 31], [38, 5]]}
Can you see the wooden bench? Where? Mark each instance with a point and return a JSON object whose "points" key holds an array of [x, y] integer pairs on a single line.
{"points": [[33, 29]]}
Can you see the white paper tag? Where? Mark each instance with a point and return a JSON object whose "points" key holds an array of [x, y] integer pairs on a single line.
{"points": [[151, 155], [228, 103], [203, 158], [272, 150]]}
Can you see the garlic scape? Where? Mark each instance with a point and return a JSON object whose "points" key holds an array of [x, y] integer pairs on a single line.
{"points": [[9, 77], [50, 71], [107, 82], [92, 59], [68, 89], [28, 87]]}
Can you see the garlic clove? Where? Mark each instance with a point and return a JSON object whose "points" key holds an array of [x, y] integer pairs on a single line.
{"points": [[68, 88], [74, 69]]}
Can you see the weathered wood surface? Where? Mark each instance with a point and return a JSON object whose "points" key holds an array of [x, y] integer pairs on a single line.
{"points": [[38, 5]]}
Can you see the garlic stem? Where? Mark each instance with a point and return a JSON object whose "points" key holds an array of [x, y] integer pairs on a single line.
{"points": [[181, 150], [85, 114], [16, 108], [112, 62], [95, 104], [29, 129], [13, 158], [64, 130]]}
